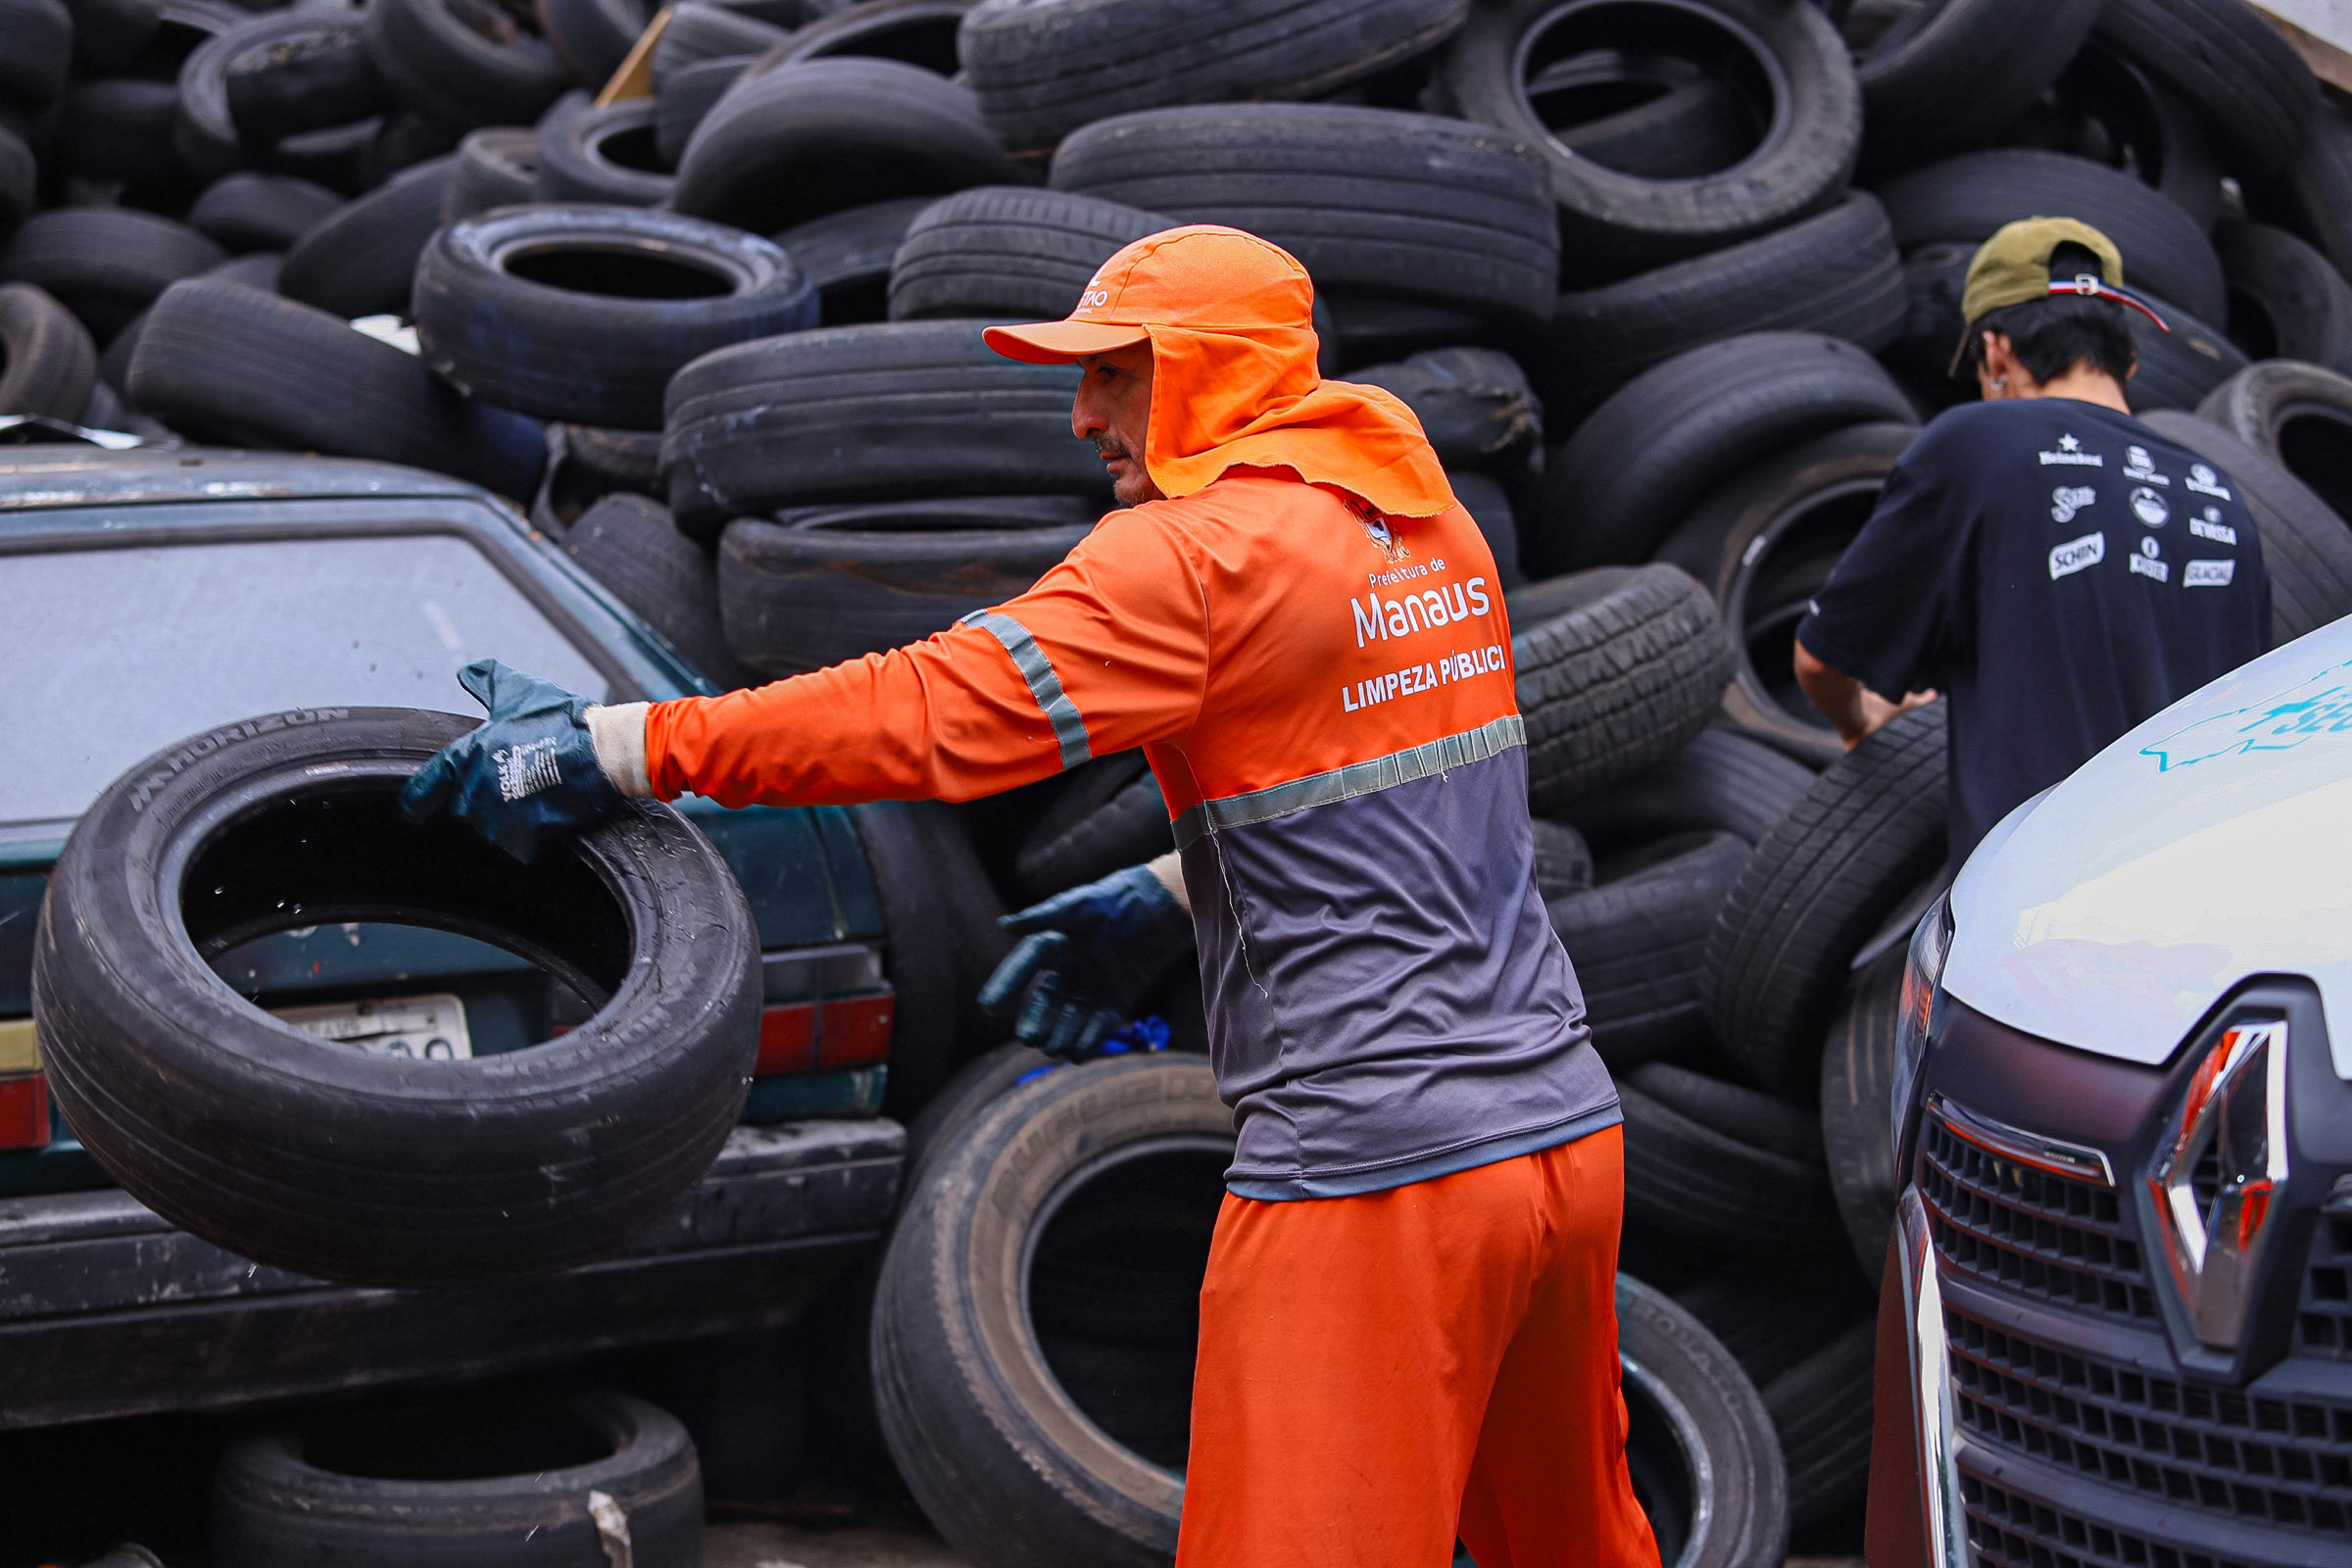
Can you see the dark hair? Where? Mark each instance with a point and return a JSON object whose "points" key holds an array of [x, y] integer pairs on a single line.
{"points": [[2051, 336]]}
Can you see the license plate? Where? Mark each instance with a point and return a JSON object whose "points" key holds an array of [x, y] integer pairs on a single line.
{"points": [[426, 1028]]}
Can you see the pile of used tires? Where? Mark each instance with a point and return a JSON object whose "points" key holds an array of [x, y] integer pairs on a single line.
{"points": [[1671, 284]]}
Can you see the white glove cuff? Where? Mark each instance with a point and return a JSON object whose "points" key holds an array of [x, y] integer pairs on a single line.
{"points": [[618, 732], [1169, 869]]}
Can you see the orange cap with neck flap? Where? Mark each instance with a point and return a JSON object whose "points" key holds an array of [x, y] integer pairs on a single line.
{"points": [[1234, 384]]}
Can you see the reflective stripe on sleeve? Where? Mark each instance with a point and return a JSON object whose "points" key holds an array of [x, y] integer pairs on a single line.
{"points": [[1367, 777], [1069, 728]]}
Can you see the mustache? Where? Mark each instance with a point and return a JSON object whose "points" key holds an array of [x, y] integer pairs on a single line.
{"points": [[1109, 447]]}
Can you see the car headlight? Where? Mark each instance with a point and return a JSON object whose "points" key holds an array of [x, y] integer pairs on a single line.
{"points": [[1922, 988]]}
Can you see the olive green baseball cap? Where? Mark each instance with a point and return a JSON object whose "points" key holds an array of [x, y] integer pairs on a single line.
{"points": [[2013, 267]]}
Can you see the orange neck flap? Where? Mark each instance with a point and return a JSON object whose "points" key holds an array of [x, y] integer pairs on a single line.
{"points": [[1252, 398]]}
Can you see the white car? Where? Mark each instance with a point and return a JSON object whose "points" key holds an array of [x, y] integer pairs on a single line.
{"points": [[2123, 1105]]}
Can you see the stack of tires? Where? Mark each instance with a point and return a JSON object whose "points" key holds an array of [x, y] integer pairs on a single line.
{"points": [[1671, 284]]}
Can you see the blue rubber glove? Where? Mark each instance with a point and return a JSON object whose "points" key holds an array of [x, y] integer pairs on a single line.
{"points": [[528, 773], [1086, 959]]}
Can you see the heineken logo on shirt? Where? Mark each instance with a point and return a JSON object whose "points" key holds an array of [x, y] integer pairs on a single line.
{"points": [[2070, 451]]}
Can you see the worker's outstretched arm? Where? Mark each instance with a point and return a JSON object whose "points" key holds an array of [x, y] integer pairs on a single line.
{"points": [[1107, 651]]}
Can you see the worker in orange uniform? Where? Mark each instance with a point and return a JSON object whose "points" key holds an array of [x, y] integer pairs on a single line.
{"points": [[1409, 1327]]}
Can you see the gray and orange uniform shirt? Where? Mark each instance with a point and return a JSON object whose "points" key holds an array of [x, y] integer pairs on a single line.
{"points": [[2059, 573], [1326, 698]]}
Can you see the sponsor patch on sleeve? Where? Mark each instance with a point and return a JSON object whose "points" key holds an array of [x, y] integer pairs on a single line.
{"points": [[2076, 554]]}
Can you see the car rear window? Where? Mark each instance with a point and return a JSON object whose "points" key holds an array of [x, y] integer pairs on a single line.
{"points": [[110, 654]]}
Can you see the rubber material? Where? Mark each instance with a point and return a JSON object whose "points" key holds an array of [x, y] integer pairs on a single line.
{"points": [[685, 100], [1864, 835], [1041, 72], [1639, 941], [628, 544], [1563, 859], [1835, 274], [1474, 405], [362, 260], [495, 168], [1687, 1178], [1964, 199], [867, 413], [591, 37], [1678, 430], [290, 1498], [438, 65], [1008, 251], [1857, 1078], [105, 263], [1111, 815], [798, 599], [699, 31], [1614, 223], [2305, 544], [1821, 1409], [278, 85], [1408, 205], [588, 154], [47, 362], [2229, 61], [1957, 73], [585, 313], [970, 1383], [1722, 782], [1764, 545], [849, 255], [1724, 1434], [2286, 300], [247, 211], [247, 369], [302, 1155], [1617, 671], [816, 136], [1734, 1110]]}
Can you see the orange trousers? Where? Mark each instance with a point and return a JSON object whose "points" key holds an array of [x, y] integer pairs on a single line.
{"points": [[1379, 1374]]}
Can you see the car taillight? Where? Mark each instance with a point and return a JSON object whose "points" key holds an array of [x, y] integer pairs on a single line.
{"points": [[845, 1032], [23, 1092], [24, 1112], [2221, 1163]]}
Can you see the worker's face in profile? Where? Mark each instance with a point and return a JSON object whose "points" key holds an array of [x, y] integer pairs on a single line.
{"points": [[1114, 409]]}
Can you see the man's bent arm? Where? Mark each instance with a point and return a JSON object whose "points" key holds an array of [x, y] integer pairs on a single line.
{"points": [[1108, 650], [1853, 707]]}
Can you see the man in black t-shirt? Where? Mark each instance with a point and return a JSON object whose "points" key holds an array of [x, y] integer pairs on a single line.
{"points": [[2058, 570]]}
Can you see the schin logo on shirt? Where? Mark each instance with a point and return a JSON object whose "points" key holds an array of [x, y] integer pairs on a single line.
{"points": [[2138, 466], [2070, 451], [2205, 482], [2069, 499], [2149, 508], [2076, 554]]}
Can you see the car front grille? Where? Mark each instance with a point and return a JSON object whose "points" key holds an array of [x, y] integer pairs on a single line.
{"points": [[2029, 1231], [2256, 1464], [2323, 1317], [2009, 1529]]}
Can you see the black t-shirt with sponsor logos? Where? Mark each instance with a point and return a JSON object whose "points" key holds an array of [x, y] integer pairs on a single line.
{"points": [[2060, 572]]}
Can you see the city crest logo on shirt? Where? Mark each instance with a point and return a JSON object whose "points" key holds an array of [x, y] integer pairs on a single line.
{"points": [[2070, 451]]}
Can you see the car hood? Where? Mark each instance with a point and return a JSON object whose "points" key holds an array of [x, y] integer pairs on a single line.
{"points": [[2212, 842]]}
